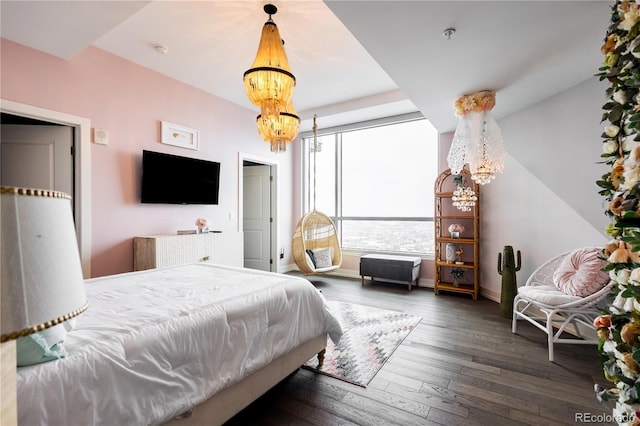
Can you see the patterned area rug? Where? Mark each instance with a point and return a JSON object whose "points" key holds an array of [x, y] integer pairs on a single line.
{"points": [[370, 336]]}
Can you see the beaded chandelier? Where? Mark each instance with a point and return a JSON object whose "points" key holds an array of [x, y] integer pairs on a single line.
{"points": [[464, 198], [477, 139]]}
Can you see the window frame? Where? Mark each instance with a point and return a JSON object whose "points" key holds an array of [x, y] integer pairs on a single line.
{"points": [[336, 216]]}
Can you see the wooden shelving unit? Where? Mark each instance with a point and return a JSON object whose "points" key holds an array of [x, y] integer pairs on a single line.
{"points": [[446, 214]]}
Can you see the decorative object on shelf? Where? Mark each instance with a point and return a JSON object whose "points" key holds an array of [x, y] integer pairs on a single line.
{"points": [[269, 84], [463, 197], [507, 268], [477, 139], [618, 325], [203, 225], [455, 229], [457, 274], [450, 252], [459, 252]]}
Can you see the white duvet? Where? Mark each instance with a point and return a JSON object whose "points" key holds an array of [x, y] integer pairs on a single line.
{"points": [[154, 343]]}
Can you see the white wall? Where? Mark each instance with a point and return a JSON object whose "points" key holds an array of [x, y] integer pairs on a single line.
{"points": [[546, 202]]}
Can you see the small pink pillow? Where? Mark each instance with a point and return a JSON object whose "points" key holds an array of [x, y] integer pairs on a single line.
{"points": [[580, 273]]}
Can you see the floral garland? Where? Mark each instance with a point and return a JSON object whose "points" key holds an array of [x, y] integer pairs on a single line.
{"points": [[484, 100], [618, 327]]}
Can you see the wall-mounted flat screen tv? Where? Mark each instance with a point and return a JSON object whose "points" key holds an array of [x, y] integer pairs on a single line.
{"points": [[172, 179]]}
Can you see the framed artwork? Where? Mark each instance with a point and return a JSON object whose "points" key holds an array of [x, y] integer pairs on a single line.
{"points": [[176, 135]]}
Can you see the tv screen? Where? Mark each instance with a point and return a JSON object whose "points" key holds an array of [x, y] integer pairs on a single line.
{"points": [[171, 179]]}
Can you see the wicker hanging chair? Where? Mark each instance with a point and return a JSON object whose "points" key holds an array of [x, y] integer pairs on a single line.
{"points": [[315, 244], [314, 235]]}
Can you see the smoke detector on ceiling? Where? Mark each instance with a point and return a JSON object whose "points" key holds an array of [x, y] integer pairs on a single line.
{"points": [[161, 49]]}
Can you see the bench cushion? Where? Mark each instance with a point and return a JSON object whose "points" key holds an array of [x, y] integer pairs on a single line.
{"points": [[390, 258]]}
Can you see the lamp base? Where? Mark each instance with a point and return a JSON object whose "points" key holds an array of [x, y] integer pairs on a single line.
{"points": [[8, 392]]}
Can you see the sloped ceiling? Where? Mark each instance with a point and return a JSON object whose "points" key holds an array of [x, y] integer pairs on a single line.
{"points": [[353, 60]]}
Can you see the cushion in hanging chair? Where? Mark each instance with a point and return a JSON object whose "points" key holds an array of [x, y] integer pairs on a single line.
{"points": [[322, 257]]}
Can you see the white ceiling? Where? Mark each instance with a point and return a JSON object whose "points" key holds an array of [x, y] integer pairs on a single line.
{"points": [[353, 60]]}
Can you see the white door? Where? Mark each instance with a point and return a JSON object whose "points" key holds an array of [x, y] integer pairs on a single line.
{"points": [[37, 157], [257, 217]]}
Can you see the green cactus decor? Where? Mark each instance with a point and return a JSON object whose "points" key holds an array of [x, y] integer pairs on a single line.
{"points": [[507, 268]]}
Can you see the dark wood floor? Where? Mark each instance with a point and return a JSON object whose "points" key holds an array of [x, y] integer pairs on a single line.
{"points": [[460, 366]]}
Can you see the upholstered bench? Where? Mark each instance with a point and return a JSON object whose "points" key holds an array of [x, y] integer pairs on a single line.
{"points": [[390, 267]]}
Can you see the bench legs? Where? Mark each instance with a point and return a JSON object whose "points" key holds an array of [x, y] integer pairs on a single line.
{"points": [[410, 282]]}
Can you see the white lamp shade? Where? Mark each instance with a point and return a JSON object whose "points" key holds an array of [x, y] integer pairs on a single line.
{"points": [[42, 283]]}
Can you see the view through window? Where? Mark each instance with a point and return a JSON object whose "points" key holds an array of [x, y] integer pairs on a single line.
{"points": [[376, 183]]}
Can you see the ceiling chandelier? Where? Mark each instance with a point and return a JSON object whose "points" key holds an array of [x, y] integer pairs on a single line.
{"points": [[477, 139], [269, 84], [280, 130], [464, 198]]}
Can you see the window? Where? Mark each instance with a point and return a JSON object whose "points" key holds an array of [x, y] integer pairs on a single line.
{"points": [[376, 183]]}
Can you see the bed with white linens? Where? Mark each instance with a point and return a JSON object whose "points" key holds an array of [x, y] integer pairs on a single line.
{"points": [[155, 344]]}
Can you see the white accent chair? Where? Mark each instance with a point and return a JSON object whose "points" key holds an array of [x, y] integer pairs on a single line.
{"points": [[542, 304]]}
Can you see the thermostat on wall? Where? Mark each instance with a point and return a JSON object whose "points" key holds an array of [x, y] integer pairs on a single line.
{"points": [[100, 136]]}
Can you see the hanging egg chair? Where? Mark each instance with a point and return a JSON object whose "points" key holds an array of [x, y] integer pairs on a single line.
{"points": [[315, 244]]}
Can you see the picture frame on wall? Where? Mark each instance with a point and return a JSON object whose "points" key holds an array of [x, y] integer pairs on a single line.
{"points": [[176, 135]]}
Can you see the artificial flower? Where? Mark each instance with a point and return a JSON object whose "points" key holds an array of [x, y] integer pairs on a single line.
{"points": [[620, 96], [617, 172], [615, 207], [621, 304], [630, 18], [609, 44], [609, 346], [602, 321], [610, 146], [634, 157], [624, 254], [631, 176], [603, 333], [634, 276], [610, 247], [481, 101], [630, 332], [610, 59], [612, 231], [631, 364], [202, 223], [611, 130], [456, 227], [621, 276]]}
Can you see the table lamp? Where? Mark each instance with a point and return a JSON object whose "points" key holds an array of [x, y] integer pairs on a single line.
{"points": [[41, 275]]}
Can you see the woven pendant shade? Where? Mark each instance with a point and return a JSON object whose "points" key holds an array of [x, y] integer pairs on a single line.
{"points": [[269, 82], [281, 130]]}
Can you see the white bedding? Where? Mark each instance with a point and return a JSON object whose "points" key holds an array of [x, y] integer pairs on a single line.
{"points": [[155, 343]]}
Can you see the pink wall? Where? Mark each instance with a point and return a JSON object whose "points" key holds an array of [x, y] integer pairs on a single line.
{"points": [[130, 101]]}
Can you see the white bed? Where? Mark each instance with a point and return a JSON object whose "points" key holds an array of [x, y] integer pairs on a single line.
{"points": [[154, 344]]}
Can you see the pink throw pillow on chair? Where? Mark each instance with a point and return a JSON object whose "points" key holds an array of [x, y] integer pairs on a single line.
{"points": [[580, 273]]}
